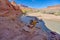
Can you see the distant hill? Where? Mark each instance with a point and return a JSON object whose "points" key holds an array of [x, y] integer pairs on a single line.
{"points": [[51, 10], [56, 7], [24, 8]]}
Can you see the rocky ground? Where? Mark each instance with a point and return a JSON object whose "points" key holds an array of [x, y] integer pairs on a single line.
{"points": [[12, 28]]}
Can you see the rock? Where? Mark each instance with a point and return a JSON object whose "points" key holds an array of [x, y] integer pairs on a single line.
{"points": [[9, 10], [11, 27]]}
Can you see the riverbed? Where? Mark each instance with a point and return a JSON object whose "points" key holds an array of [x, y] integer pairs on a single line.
{"points": [[53, 25]]}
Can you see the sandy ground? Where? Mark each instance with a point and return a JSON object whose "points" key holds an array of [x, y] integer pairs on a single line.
{"points": [[52, 22], [45, 16]]}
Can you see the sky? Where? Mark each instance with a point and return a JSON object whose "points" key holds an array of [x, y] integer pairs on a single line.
{"points": [[38, 3]]}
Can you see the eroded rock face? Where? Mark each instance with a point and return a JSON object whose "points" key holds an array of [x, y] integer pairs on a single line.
{"points": [[9, 10], [11, 28]]}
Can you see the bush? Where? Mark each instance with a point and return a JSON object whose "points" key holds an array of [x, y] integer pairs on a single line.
{"points": [[57, 13]]}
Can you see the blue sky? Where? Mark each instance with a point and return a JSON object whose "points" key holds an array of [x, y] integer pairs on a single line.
{"points": [[38, 3]]}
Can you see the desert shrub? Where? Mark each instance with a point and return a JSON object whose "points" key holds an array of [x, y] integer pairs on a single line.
{"points": [[24, 12], [57, 13]]}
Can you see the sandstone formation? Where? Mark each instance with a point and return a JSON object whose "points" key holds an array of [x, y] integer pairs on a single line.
{"points": [[54, 8], [11, 28], [9, 10], [24, 8]]}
